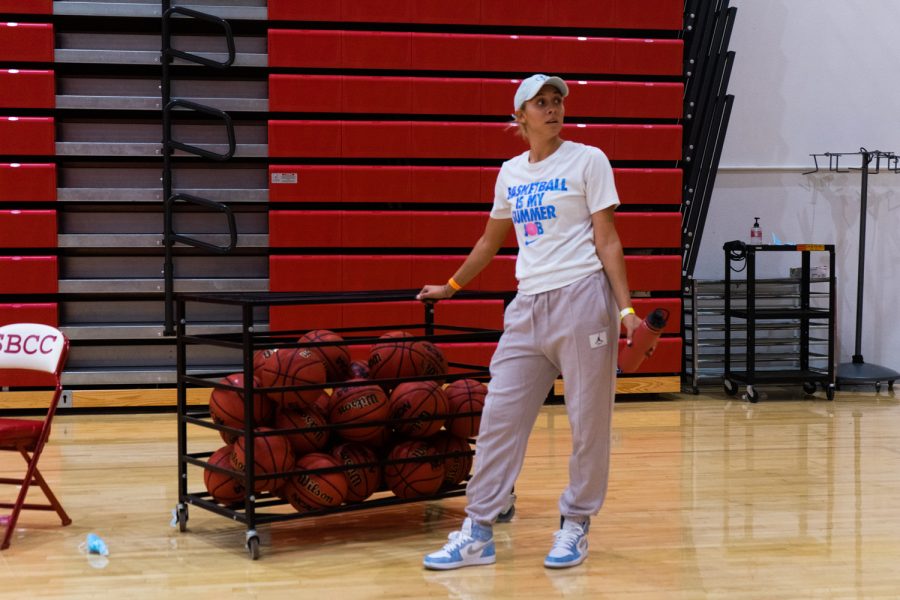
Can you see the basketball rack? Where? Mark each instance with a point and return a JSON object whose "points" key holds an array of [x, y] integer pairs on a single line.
{"points": [[238, 348]]}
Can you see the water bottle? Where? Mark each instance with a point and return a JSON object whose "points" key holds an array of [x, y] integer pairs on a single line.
{"points": [[643, 341], [756, 233]]}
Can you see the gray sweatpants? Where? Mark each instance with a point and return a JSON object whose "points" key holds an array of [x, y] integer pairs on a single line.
{"points": [[572, 330]]}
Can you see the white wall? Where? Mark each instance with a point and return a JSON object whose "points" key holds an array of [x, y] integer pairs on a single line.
{"points": [[814, 76]]}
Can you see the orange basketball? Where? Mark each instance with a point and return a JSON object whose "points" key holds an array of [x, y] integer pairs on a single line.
{"points": [[271, 454], [336, 358], [456, 468], [309, 417], [359, 369], [316, 490], [292, 367], [362, 481], [224, 488], [323, 402], [226, 407], [354, 405], [391, 359], [421, 400], [465, 396], [415, 478], [429, 360]]}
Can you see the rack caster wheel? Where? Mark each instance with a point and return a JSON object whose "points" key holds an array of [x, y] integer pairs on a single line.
{"points": [[829, 391], [181, 514], [891, 385], [752, 394], [252, 544], [730, 387], [877, 387], [809, 387]]}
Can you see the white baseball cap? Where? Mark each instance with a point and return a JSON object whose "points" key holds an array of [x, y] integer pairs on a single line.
{"points": [[529, 88]]}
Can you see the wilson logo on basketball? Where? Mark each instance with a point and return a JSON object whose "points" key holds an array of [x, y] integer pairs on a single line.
{"points": [[313, 488], [30, 344], [360, 402]]}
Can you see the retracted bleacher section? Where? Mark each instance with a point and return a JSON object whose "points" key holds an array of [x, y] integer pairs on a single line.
{"points": [[367, 139]]}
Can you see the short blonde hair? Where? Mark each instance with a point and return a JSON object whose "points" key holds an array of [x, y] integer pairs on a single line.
{"points": [[521, 129]]}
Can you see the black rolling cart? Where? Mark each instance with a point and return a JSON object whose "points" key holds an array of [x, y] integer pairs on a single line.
{"points": [[796, 316], [239, 344]]}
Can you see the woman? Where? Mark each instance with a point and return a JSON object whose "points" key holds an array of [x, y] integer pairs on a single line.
{"points": [[560, 197]]}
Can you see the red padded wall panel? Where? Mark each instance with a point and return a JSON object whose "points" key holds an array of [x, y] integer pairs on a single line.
{"points": [[649, 186], [43, 312], [375, 50], [665, 359], [378, 95], [647, 142], [29, 274], [446, 184], [444, 96], [27, 89], [320, 93], [646, 100], [28, 229], [27, 182], [584, 55], [446, 51], [27, 7], [375, 184], [486, 314], [377, 229], [654, 273], [583, 13], [648, 56], [441, 11], [26, 42], [296, 183], [382, 272], [376, 139], [446, 140], [513, 52], [284, 318], [305, 229], [447, 229], [307, 48], [291, 10], [589, 98], [473, 354], [650, 14], [321, 139], [649, 229], [27, 136], [383, 11], [514, 12], [388, 314]]}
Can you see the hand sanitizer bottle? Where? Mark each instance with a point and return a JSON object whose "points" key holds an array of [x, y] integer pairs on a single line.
{"points": [[756, 234]]}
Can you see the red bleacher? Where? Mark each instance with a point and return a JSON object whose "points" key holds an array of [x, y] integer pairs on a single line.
{"points": [[27, 89], [27, 182]]}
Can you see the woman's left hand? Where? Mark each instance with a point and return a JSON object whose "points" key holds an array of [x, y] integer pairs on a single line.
{"points": [[631, 323]]}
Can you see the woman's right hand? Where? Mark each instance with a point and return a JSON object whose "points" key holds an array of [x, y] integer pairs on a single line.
{"points": [[435, 292]]}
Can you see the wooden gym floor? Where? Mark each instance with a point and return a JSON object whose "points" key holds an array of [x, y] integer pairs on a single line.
{"points": [[709, 497]]}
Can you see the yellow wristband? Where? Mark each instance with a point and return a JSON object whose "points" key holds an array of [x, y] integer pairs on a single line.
{"points": [[625, 312], [452, 283]]}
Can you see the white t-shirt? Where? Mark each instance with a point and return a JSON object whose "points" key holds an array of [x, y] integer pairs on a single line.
{"points": [[551, 203]]}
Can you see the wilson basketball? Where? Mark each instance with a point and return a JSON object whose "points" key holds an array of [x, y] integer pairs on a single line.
{"points": [[316, 490], [357, 405], [415, 478], [429, 360], [292, 367], [335, 358], [226, 407], [391, 359], [308, 417], [456, 468], [422, 400], [271, 454], [465, 396], [362, 481], [224, 488]]}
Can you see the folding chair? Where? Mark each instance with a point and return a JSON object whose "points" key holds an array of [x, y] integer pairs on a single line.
{"points": [[40, 348]]}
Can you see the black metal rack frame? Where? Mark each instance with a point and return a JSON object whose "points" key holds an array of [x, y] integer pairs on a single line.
{"points": [[248, 340], [805, 375]]}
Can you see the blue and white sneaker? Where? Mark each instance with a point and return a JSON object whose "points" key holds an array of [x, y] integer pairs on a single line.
{"points": [[473, 545], [570, 547]]}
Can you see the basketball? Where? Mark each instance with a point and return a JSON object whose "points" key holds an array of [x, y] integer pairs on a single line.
{"points": [[359, 369], [303, 442], [362, 482], [455, 467], [429, 360], [465, 396], [226, 407], [421, 400], [292, 367], [316, 490], [224, 488], [271, 454], [335, 358], [354, 405], [323, 402], [413, 479]]}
